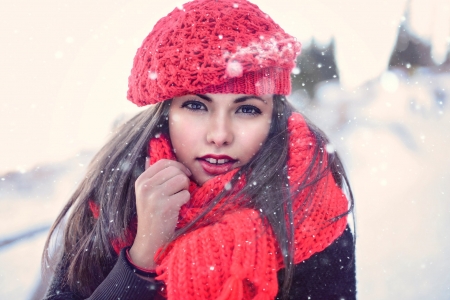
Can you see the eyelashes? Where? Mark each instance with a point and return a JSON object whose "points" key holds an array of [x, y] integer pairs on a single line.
{"points": [[198, 106], [194, 105], [249, 109]]}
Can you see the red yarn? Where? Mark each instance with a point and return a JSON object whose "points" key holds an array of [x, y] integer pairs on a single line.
{"points": [[237, 256], [213, 46], [94, 209]]}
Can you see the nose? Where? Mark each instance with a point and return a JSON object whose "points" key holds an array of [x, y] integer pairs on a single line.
{"points": [[219, 131]]}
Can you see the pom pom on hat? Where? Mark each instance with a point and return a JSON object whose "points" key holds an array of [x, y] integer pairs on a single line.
{"points": [[213, 46]]}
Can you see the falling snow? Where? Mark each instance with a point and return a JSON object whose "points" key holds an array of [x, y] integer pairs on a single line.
{"points": [[152, 75], [395, 148], [234, 69], [329, 148], [393, 140], [296, 71]]}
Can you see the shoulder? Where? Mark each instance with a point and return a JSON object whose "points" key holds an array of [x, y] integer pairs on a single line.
{"points": [[329, 274]]}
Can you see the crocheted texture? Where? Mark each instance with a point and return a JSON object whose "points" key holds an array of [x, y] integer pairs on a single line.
{"points": [[312, 234], [212, 46], [237, 256]]}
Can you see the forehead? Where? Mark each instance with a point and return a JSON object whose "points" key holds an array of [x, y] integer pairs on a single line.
{"points": [[232, 97], [225, 98]]}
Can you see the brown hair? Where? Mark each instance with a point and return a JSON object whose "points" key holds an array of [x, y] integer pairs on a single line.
{"points": [[87, 250]]}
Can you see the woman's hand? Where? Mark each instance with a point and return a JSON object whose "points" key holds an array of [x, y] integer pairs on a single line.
{"points": [[161, 190]]}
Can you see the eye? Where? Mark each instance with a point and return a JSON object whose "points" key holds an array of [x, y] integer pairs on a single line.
{"points": [[194, 105], [249, 109]]}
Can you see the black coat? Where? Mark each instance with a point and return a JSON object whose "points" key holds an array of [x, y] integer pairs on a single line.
{"points": [[327, 275]]}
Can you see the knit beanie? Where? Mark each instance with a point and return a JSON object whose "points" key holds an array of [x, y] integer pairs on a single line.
{"points": [[213, 46]]}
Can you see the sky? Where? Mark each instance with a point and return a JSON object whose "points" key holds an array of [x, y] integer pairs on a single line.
{"points": [[64, 64]]}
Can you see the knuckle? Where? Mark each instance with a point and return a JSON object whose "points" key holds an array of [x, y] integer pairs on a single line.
{"points": [[138, 181], [145, 185], [166, 162], [186, 180], [160, 162], [172, 168], [185, 195]]}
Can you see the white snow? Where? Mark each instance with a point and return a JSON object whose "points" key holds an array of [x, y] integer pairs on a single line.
{"points": [[398, 164], [64, 83], [430, 21], [22, 210], [395, 147]]}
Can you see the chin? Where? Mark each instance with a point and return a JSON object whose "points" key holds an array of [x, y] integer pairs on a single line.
{"points": [[202, 180]]}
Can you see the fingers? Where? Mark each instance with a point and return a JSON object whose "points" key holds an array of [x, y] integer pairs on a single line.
{"points": [[162, 164], [161, 190], [165, 175], [161, 171], [147, 163], [181, 198], [166, 183], [162, 180], [176, 184]]}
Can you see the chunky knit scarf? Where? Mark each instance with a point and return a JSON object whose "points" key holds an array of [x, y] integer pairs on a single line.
{"points": [[237, 257]]}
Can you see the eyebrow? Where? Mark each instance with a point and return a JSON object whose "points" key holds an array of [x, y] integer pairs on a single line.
{"points": [[238, 100]]}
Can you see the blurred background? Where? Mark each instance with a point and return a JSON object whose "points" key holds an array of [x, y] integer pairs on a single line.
{"points": [[374, 75]]}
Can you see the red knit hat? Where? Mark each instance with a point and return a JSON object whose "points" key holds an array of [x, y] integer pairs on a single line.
{"points": [[213, 46]]}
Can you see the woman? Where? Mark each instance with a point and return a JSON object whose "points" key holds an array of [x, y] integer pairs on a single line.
{"points": [[219, 190]]}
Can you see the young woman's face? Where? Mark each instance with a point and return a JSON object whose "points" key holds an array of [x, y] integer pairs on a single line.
{"points": [[214, 133]]}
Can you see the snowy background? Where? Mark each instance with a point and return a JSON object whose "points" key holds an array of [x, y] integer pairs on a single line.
{"points": [[64, 68]]}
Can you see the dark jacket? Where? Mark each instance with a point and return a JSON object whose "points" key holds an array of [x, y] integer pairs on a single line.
{"points": [[327, 275]]}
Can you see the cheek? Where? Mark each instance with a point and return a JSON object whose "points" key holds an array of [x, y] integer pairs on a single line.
{"points": [[252, 137], [175, 127], [176, 132], [181, 131], [174, 118]]}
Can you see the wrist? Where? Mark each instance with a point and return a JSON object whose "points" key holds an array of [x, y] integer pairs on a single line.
{"points": [[142, 258], [130, 260]]}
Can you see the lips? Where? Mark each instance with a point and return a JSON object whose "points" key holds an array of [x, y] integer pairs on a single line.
{"points": [[216, 164]]}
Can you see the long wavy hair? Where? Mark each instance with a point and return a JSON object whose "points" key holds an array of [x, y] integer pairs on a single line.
{"points": [[87, 252]]}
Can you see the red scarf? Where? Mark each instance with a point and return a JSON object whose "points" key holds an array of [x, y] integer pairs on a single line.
{"points": [[237, 257]]}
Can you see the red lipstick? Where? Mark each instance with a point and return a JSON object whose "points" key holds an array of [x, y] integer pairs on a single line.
{"points": [[216, 164]]}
